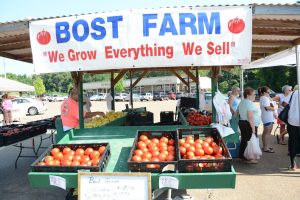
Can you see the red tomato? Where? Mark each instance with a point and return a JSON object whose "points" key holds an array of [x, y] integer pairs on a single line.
{"points": [[141, 145], [145, 159], [208, 150], [58, 156], [79, 151], [151, 145], [48, 158], [199, 141], [190, 155], [162, 144], [136, 158], [190, 141], [85, 159], [163, 148], [164, 140], [213, 144], [86, 163], [197, 145], [147, 155], [68, 157], [162, 157], [145, 150], [88, 151], [171, 148], [182, 150], [43, 37], [54, 151], [66, 150], [56, 162], [204, 145], [66, 163], [95, 161], [181, 142], [170, 158], [41, 164], [94, 154], [217, 149], [72, 153], [171, 142], [209, 140], [165, 152], [236, 25], [155, 153], [154, 159], [189, 137], [187, 145], [77, 158], [155, 141], [147, 142], [50, 163], [199, 152], [143, 138], [152, 149], [75, 163], [101, 149], [191, 148], [138, 152], [219, 156]]}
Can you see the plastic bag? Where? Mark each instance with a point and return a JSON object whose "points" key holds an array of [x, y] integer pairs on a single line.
{"points": [[222, 108], [253, 151]]}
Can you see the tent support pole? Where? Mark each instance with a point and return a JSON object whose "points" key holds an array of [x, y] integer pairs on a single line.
{"points": [[197, 88], [112, 90], [298, 70], [242, 82], [80, 101], [131, 87]]}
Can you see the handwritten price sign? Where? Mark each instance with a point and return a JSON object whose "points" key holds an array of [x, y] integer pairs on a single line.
{"points": [[168, 182]]}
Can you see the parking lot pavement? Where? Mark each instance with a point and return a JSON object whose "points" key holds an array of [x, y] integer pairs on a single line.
{"points": [[269, 179]]}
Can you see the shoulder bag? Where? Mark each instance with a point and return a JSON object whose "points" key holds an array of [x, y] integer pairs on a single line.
{"points": [[284, 114]]}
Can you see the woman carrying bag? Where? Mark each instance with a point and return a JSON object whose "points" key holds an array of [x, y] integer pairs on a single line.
{"points": [[249, 121]]}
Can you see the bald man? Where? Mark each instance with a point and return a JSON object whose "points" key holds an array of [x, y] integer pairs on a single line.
{"points": [[70, 111]]}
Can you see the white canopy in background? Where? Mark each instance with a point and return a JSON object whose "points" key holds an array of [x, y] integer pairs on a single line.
{"points": [[7, 85], [282, 58]]}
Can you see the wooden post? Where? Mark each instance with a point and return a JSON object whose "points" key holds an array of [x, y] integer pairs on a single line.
{"points": [[131, 99], [214, 85], [197, 88], [112, 90], [80, 101]]}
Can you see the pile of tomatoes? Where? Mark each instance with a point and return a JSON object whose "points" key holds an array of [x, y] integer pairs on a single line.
{"points": [[197, 119], [154, 150], [199, 148], [69, 157]]}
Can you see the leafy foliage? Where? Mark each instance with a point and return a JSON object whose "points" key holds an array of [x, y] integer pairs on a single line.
{"points": [[39, 86]]}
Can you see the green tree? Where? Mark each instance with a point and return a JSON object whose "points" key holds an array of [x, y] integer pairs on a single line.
{"points": [[39, 86], [120, 87]]}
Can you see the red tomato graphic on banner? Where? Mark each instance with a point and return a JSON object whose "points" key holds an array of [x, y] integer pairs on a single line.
{"points": [[236, 25], [43, 37]]}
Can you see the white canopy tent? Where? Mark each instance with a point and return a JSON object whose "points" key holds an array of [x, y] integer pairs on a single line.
{"points": [[7, 85]]}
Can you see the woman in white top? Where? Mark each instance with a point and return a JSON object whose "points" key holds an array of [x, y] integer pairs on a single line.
{"points": [[293, 128], [267, 117], [282, 100]]}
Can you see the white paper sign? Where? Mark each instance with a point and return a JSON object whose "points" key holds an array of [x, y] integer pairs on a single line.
{"points": [[57, 181], [115, 186], [165, 37], [168, 182]]}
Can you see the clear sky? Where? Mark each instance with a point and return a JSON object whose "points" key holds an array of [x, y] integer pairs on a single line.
{"points": [[20, 9]]}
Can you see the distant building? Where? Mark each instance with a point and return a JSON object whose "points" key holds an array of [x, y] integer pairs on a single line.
{"points": [[151, 84]]}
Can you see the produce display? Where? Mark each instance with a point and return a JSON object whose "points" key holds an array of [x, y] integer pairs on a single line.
{"points": [[69, 157], [101, 120], [202, 150], [153, 150], [73, 157], [198, 119]]}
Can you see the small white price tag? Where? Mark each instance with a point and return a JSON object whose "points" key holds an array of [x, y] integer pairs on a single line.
{"points": [[57, 181], [168, 182]]}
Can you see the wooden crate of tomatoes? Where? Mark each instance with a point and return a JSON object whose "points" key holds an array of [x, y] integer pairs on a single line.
{"points": [[153, 151], [198, 119], [202, 150], [73, 157]]}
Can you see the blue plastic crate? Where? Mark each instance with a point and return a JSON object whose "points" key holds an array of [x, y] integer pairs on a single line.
{"points": [[234, 149]]}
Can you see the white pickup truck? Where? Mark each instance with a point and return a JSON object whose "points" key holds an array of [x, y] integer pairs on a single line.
{"points": [[146, 96]]}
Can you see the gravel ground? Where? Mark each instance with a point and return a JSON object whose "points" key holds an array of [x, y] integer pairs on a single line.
{"points": [[267, 180]]}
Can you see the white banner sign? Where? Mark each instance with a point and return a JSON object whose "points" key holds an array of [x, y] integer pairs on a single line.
{"points": [[166, 37]]}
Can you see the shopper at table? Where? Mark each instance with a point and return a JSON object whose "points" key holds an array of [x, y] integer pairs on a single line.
{"points": [[293, 128], [234, 99], [249, 120], [7, 109], [70, 111], [282, 100], [267, 117]]}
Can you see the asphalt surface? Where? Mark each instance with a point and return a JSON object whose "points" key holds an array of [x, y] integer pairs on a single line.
{"points": [[269, 179]]}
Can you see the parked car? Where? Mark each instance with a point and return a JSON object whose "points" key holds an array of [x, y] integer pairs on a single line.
{"points": [[146, 97], [180, 94], [160, 96], [29, 105], [135, 97], [272, 94], [56, 97], [172, 96], [102, 96], [95, 98], [120, 96]]}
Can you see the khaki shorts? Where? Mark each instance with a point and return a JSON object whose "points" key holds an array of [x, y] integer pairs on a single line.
{"points": [[7, 116]]}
